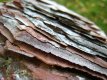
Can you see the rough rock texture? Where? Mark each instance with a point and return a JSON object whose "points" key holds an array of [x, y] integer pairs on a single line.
{"points": [[42, 40]]}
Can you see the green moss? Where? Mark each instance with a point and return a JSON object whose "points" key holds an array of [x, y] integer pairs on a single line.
{"points": [[5, 0]]}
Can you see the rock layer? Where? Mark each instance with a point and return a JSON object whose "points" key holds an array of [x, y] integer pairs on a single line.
{"points": [[50, 42]]}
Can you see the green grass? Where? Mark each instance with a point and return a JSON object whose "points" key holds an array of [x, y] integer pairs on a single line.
{"points": [[95, 10]]}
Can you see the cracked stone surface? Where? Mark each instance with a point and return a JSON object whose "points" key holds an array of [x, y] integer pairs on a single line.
{"points": [[42, 40]]}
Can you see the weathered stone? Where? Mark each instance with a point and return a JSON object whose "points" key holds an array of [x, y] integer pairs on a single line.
{"points": [[42, 40]]}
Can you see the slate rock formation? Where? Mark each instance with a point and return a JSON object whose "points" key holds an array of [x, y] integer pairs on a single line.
{"points": [[42, 40]]}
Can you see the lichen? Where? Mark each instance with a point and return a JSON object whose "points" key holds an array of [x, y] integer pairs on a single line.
{"points": [[12, 68]]}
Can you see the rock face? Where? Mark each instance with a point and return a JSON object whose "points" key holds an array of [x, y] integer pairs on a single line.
{"points": [[42, 40]]}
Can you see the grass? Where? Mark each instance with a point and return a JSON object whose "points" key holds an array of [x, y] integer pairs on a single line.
{"points": [[95, 10]]}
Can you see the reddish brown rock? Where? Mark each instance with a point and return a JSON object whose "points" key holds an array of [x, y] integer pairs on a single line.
{"points": [[42, 40]]}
